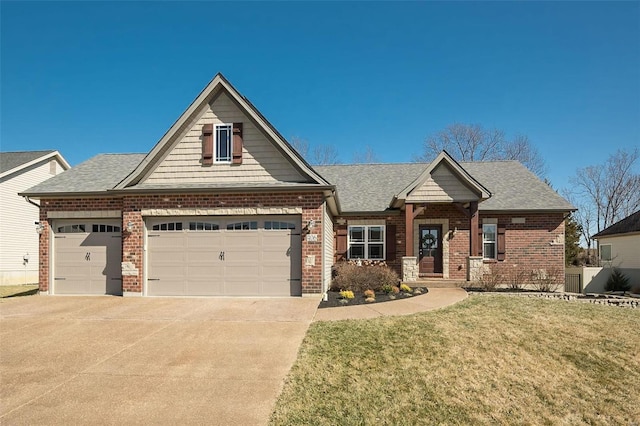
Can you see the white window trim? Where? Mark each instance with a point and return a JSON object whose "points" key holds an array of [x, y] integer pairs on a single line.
{"points": [[494, 242], [216, 156], [610, 252], [366, 241]]}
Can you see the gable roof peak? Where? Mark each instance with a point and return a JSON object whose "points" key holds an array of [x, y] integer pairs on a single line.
{"points": [[463, 175], [218, 83]]}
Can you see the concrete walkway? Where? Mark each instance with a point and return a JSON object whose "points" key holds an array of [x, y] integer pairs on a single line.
{"points": [[436, 298]]}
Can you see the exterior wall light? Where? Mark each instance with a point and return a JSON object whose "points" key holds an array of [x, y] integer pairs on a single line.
{"points": [[130, 227], [39, 228]]}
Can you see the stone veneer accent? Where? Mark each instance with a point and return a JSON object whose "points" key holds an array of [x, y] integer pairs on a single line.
{"points": [[475, 268], [409, 269]]}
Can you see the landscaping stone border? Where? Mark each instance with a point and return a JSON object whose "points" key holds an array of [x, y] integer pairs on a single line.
{"points": [[598, 299]]}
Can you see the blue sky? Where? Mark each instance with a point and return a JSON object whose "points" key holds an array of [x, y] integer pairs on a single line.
{"points": [[91, 77]]}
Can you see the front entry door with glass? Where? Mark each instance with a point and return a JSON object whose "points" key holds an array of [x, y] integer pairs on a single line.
{"points": [[430, 250]]}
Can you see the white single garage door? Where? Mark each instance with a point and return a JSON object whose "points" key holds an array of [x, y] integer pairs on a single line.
{"points": [[224, 256], [87, 256]]}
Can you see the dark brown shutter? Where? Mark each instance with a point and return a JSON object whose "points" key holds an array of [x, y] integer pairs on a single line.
{"points": [[391, 242], [237, 143], [341, 242], [501, 241], [207, 144], [480, 247]]}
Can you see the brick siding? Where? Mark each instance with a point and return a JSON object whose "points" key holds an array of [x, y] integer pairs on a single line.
{"points": [[132, 243], [528, 246]]}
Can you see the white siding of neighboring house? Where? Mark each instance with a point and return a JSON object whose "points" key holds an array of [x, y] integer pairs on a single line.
{"points": [[18, 235], [443, 186], [328, 248], [261, 161], [625, 250]]}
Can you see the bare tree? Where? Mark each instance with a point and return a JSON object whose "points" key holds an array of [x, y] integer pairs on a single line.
{"points": [[317, 155], [300, 145], [584, 216], [472, 142], [367, 156], [607, 192], [325, 155]]}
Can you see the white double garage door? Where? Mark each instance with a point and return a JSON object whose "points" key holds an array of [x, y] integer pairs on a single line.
{"points": [[185, 256]]}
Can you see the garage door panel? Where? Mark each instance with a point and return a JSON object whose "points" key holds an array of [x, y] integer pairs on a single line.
{"points": [[233, 262], [167, 286], [242, 286], [86, 262], [210, 287]]}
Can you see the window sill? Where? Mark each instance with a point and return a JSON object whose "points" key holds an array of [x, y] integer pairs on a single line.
{"points": [[489, 260]]}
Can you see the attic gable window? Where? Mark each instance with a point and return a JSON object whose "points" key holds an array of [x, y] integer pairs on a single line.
{"points": [[223, 137]]}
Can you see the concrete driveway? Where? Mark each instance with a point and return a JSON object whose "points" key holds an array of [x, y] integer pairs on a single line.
{"points": [[112, 360]]}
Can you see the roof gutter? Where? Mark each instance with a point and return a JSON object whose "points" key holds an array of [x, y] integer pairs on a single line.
{"points": [[31, 202]]}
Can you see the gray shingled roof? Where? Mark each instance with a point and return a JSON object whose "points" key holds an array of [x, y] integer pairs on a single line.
{"points": [[97, 174], [11, 160], [360, 187], [370, 187], [625, 226]]}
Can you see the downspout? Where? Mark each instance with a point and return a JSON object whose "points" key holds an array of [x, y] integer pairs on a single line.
{"points": [[31, 202]]}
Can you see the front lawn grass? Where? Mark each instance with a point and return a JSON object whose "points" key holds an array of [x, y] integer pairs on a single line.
{"points": [[490, 359], [18, 290]]}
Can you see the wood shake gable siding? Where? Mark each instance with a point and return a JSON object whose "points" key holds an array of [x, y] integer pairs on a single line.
{"points": [[442, 186], [261, 160]]}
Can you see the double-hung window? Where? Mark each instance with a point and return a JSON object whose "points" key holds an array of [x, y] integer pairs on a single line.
{"points": [[223, 138], [489, 238], [366, 242], [605, 252]]}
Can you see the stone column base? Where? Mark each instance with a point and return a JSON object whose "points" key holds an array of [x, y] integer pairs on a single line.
{"points": [[409, 269], [475, 268]]}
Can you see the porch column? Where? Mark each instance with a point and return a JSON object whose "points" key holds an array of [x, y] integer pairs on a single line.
{"points": [[474, 244], [408, 221]]}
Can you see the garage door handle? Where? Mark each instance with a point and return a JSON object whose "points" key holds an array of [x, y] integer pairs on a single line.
{"points": [[59, 279], [221, 257], [153, 279]]}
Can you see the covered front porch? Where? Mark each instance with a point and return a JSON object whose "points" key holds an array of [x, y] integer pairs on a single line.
{"points": [[442, 227], [440, 243]]}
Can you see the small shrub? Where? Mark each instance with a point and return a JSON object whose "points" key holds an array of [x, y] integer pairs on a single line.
{"points": [[491, 278], [387, 288], [518, 278], [546, 280], [347, 294], [396, 289], [350, 276], [369, 294], [405, 287], [617, 281]]}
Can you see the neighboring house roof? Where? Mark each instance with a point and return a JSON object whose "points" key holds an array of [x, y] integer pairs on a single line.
{"points": [[12, 162], [371, 187], [98, 174], [215, 86], [628, 225]]}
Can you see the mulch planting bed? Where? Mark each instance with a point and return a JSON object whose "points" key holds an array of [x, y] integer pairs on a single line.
{"points": [[334, 298]]}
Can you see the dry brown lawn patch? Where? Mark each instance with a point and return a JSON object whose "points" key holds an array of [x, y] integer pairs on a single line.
{"points": [[18, 290], [488, 360]]}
